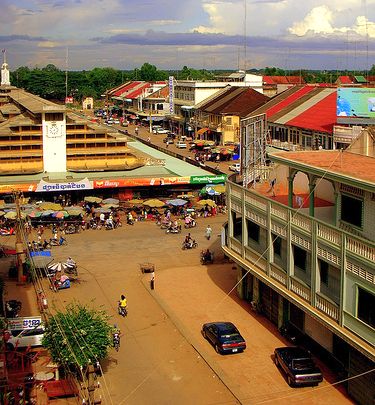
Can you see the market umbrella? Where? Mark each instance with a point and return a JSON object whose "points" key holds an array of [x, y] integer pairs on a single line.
{"points": [[57, 266], [13, 215], [102, 210], [60, 214], [34, 214], [154, 203], [93, 199], [220, 188], [50, 206], [111, 201], [209, 202], [188, 196], [2, 213], [75, 212], [177, 202], [110, 206], [73, 208], [135, 201], [47, 212]]}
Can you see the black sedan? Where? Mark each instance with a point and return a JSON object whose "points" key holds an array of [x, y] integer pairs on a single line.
{"points": [[224, 336], [298, 366]]}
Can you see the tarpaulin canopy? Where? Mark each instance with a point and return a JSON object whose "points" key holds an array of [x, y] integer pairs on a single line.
{"points": [[202, 131]]}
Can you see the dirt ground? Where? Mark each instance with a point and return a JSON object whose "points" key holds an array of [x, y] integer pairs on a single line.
{"points": [[163, 358]]}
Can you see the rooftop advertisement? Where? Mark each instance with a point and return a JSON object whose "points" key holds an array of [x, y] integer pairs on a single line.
{"points": [[356, 102]]}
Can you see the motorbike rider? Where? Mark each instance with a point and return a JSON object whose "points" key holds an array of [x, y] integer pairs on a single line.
{"points": [[208, 232], [206, 256], [123, 303], [116, 333], [188, 240], [130, 219], [70, 262]]}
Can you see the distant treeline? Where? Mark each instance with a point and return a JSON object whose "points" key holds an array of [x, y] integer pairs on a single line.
{"points": [[50, 82]]}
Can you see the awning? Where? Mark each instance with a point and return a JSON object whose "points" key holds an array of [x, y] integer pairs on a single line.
{"points": [[202, 131]]}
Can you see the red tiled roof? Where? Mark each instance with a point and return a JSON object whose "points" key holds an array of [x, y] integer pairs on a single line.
{"points": [[283, 80], [320, 117], [125, 88], [293, 97], [137, 92], [345, 80]]}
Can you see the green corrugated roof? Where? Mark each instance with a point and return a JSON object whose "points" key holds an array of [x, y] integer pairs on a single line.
{"points": [[360, 79]]}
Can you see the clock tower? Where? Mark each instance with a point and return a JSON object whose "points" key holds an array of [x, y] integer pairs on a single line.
{"points": [[54, 138]]}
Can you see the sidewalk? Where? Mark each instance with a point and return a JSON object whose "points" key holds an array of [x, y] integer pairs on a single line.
{"points": [[192, 296]]}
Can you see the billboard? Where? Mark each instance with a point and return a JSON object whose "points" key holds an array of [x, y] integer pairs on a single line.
{"points": [[356, 102]]}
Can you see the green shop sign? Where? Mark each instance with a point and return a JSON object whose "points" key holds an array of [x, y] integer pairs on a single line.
{"points": [[208, 179]]}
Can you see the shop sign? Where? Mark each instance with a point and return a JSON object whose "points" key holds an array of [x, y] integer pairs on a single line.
{"points": [[8, 188], [29, 322], [208, 179], [139, 182], [84, 184]]}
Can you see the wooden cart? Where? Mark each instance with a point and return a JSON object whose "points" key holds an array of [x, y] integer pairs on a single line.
{"points": [[147, 267]]}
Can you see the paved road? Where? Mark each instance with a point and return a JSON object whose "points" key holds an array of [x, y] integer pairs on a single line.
{"points": [[163, 358]]}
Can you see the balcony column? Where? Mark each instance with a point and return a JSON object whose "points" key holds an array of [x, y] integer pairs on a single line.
{"points": [[311, 198], [290, 190]]}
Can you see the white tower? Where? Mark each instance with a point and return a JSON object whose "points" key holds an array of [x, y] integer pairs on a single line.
{"points": [[5, 81]]}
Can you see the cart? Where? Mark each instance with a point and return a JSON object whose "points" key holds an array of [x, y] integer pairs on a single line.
{"points": [[147, 267]]}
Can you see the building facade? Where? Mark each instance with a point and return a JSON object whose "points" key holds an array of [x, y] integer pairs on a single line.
{"points": [[304, 249]]}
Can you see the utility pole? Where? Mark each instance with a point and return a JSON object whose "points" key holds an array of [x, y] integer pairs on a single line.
{"points": [[19, 244]]}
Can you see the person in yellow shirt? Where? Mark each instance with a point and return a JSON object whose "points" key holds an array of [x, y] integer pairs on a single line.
{"points": [[123, 303]]}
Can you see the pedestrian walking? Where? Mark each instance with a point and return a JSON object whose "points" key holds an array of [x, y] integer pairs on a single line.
{"points": [[152, 281], [208, 232]]}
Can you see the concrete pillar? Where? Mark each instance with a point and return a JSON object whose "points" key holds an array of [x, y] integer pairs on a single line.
{"points": [[311, 199], [290, 190]]}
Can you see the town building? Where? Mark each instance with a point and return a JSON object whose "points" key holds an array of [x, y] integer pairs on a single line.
{"points": [[217, 118], [304, 246]]}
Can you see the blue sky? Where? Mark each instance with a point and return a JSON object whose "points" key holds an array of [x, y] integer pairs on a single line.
{"points": [[210, 34]]}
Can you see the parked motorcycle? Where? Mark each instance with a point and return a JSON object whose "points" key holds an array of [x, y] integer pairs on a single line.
{"points": [[12, 308]]}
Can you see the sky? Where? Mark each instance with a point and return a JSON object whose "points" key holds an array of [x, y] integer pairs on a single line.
{"points": [[200, 34]]}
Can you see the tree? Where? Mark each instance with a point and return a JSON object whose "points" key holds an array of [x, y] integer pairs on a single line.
{"points": [[78, 337]]}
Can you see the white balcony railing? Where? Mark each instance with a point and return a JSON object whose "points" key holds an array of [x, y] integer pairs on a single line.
{"points": [[327, 307], [329, 234], [302, 222], [300, 289], [278, 275], [360, 248]]}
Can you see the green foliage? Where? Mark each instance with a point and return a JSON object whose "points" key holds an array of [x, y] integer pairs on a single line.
{"points": [[79, 336]]}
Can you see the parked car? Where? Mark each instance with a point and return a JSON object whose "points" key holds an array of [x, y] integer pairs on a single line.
{"points": [[181, 145], [235, 167], [161, 131], [155, 128], [224, 336], [298, 366]]}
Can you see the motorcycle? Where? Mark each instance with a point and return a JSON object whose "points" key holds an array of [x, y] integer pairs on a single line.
{"points": [[165, 225], [207, 258], [189, 245], [12, 308], [173, 229], [123, 311], [71, 229], [116, 341], [109, 227], [58, 242], [6, 232], [191, 224]]}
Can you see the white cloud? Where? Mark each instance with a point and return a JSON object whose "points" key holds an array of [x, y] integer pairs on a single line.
{"points": [[321, 20]]}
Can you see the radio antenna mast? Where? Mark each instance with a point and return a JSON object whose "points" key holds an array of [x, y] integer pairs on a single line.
{"points": [[66, 72], [245, 33]]}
